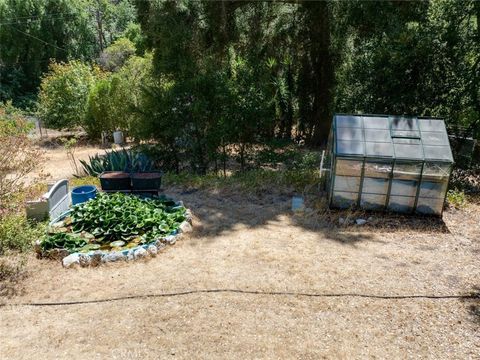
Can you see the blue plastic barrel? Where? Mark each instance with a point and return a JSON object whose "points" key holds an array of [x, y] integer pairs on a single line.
{"points": [[83, 193]]}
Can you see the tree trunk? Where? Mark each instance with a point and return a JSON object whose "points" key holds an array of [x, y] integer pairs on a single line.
{"points": [[318, 27], [99, 27]]}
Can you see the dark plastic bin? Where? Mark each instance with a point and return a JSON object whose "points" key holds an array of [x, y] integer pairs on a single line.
{"points": [[115, 180], [146, 181]]}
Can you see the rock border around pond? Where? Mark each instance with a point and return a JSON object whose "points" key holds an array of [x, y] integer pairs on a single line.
{"points": [[97, 257]]}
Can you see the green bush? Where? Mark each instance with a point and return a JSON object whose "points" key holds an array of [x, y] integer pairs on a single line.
{"points": [[64, 90], [17, 233], [113, 100], [456, 198], [100, 115]]}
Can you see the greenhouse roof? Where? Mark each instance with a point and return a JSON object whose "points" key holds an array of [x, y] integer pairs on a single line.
{"points": [[396, 137]]}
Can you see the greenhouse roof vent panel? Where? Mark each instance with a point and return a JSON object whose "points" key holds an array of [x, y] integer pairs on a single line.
{"points": [[393, 137]]}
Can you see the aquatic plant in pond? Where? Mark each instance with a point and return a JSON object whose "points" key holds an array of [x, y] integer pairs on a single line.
{"points": [[114, 222]]}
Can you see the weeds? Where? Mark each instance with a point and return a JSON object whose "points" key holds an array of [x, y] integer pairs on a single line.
{"points": [[250, 181], [12, 269], [16, 237], [456, 198], [87, 180], [17, 233]]}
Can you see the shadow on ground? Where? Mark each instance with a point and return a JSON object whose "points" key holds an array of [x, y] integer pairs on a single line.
{"points": [[474, 304], [225, 210]]}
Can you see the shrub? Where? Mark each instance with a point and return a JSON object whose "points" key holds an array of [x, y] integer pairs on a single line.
{"points": [[113, 101], [456, 198], [17, 233], [18, 156], [100, 115], [64, 93]]}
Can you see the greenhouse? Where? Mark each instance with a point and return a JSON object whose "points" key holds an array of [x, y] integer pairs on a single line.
{"points": [[394, 163]]}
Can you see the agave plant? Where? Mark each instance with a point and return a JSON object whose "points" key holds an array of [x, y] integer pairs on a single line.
{"points": [[121, 160]]}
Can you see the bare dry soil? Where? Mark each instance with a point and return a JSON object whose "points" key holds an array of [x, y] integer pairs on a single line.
{"points": [[254, 243]]}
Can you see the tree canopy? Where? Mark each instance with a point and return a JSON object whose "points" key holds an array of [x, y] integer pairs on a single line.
{"points": [[236, 73]]}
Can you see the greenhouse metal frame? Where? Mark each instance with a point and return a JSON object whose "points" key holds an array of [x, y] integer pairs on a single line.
{"points": [[384, 162]]}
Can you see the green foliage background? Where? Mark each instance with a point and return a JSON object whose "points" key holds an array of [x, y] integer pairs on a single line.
{"points": [[207, 79]]}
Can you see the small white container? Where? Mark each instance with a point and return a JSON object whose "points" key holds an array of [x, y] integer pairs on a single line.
{"points": [[118, 137]]}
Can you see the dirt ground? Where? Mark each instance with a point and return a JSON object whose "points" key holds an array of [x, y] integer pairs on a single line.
{"points": [[55, 164], [255, 243]]}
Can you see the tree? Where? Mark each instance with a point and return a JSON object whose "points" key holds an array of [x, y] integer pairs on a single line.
{"points": [[35, 32], [31, 33], [114, 56]]}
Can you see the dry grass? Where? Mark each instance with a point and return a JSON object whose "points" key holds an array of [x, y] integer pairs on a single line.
{"points": [[253, 241]]}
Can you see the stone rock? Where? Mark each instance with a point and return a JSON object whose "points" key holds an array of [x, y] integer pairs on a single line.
{"points": [[160, 245], [189, 216], [113, 256], [57, 254], [71, 260], [341, 221], [152, 250], [170, 239], [96, 258], [370, 218], [361, 221], [185, 227], [38, 248], [131, 255], [140, 253], [84, 260]]}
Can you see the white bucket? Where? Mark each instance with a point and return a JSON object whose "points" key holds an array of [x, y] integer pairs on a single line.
{"points": [[118, 137]]}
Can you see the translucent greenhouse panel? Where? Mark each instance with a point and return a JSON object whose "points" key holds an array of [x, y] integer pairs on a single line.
{"points": [[405, 134], [408, 151], [375, 186], [403, 123], [431, 189], [438, 153], [407, 171], [378, 136], [347, 147], [378, 169], [402, 204], [348, 121], [378, 149], [430, 206], [346, 183], [376, 122], [373, 201], [436, 171], [351, 134], [435, 138], [348, 167], [344, 200], [404, 187], [432, 125], [407, 141]]}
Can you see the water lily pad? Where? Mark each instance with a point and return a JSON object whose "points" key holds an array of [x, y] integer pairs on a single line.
{"points": [[118, 243], [89, 247]]}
